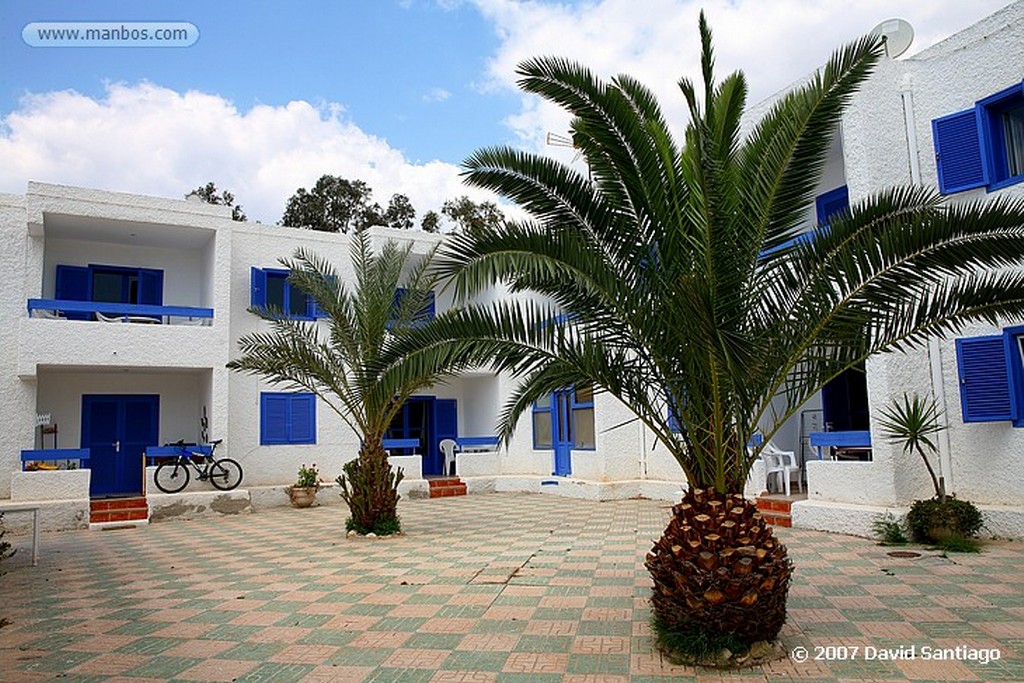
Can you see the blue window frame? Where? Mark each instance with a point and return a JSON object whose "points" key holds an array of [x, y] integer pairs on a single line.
{"points": [[287, 418], [112, 284], [270, 288], [423, 315], [991, 374], [826, 205], [548, 423], [982, 146]]}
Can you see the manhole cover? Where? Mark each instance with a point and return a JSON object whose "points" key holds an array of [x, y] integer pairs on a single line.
{"points": [[903, 554]]}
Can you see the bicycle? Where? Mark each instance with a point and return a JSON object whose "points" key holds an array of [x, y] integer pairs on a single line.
{"points": [[173, 475]]}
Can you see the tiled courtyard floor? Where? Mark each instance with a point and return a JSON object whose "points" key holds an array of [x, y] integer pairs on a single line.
{"points": [[489, 588]]}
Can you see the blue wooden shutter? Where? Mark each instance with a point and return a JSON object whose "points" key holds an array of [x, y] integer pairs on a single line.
{"points": [[302, 414], [273, 418], [958, 156], [258, 288], [74, 283], [151, 287], [428, 309], [830, 203], [446, 419], [984, 379]]}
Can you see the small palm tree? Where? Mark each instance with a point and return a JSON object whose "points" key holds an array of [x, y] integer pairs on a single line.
{"points": [[674, 282], [911, 424], [340, 364]]}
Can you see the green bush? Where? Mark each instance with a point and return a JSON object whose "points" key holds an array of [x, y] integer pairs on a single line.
{"points": [[958, 517], [889, 530]]}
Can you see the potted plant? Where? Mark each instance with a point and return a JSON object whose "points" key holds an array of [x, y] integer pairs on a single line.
{"points": [[303, 492], [910, 423]]}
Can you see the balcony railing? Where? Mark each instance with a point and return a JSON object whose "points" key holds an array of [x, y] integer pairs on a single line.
{"points": [[118, 313]]}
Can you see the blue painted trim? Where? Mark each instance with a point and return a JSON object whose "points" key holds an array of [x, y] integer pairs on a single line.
{"points": [[53, 454], [400, 443], [287, 438], [476, 441], [118, 309], [852, 439], [549, 482]]}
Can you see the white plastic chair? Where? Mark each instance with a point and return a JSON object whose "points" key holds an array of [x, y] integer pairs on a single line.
{"points": [[783, 463], [448, 447]]}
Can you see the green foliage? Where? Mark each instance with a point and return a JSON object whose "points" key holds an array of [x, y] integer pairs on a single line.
{"points": [[308, 477], [400, 213], [431, 222], [911, 424], [667, 273], [695, 645], [889, 530], [928, 519], [209, 194], [472, 218], [333, 205], [958, 544], [369, 486]]}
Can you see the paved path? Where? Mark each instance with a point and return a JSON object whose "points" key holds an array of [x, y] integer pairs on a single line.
{"points": [[490, 588]]}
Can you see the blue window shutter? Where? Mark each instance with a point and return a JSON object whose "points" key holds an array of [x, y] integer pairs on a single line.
{"points": [[958, 155], [258, 288], [273, 418], [151, 287], [74, 283], [302, 416], [984, 379], [446, 417], [830, 203], [428, 310], [673, 417]]}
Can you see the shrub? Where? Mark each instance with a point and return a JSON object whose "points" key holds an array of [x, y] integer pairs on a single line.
{"points": [[889, 530], [959, 517], [309, 477]]}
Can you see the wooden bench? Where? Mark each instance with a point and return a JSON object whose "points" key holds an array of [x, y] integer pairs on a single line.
{"points": [[34, 509]]}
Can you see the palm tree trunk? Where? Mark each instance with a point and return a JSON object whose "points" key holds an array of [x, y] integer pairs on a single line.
{"points": [[940, 488], [369, 487]]}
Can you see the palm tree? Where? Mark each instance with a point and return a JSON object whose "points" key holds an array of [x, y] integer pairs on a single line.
{"points": [[340, 364], [674, 283]]}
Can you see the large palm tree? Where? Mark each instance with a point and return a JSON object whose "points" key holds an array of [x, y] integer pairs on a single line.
{"points": [[675, 284], [340, 362]]}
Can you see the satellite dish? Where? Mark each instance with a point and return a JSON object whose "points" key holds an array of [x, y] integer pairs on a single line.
{"points": [[897, 35]]}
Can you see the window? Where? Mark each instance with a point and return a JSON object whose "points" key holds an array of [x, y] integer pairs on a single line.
{"points": [[271, 289], [287, 418], [991, 373], [423, 315], [826, 205], [565, 417], [112, 284], [982, 146]]}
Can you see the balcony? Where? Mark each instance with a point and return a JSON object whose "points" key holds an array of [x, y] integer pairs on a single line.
{"points": [[119, 313]]}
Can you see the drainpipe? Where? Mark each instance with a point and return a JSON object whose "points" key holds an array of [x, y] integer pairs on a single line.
{"points": [[945, 472]]}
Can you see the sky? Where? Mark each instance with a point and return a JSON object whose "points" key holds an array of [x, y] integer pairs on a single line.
{"points": [[396, 93]]}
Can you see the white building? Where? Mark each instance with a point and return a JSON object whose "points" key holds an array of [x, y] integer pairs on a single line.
{"points": [[76, 259], [950, 117]]}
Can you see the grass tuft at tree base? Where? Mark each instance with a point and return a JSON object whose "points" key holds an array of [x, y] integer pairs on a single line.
{"points": [[697, 646], [959, 544], [384, 526]]}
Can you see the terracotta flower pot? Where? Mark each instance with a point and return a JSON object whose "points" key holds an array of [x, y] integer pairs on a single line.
{"points": [[302, 496]]}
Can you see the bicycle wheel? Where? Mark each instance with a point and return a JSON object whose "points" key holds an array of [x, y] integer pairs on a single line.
{"points": [[225, 474], [171, 476]]}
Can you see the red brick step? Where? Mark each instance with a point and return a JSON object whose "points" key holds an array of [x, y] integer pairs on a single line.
{"points": [[776, 511], [118, 509], [442, 487]]}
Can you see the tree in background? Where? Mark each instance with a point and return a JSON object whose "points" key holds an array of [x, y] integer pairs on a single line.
{"points": [[208, 193], [400, 213], [333, 205], [471, 218], [431, 222]]}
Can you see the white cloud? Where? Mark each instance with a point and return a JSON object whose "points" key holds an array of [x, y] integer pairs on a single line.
{"points": [[149, 139], [437, 95], [774, 43]]}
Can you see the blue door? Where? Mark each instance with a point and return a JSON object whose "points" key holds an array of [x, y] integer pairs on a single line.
{"points": [[561, 430], [117, 429], [445, 427], [429, 420]]}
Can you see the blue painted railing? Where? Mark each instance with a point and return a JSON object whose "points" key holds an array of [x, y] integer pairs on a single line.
{"points": [[156, 453], [56, 455], [129, 312], [850, 439], [400, 443]]}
